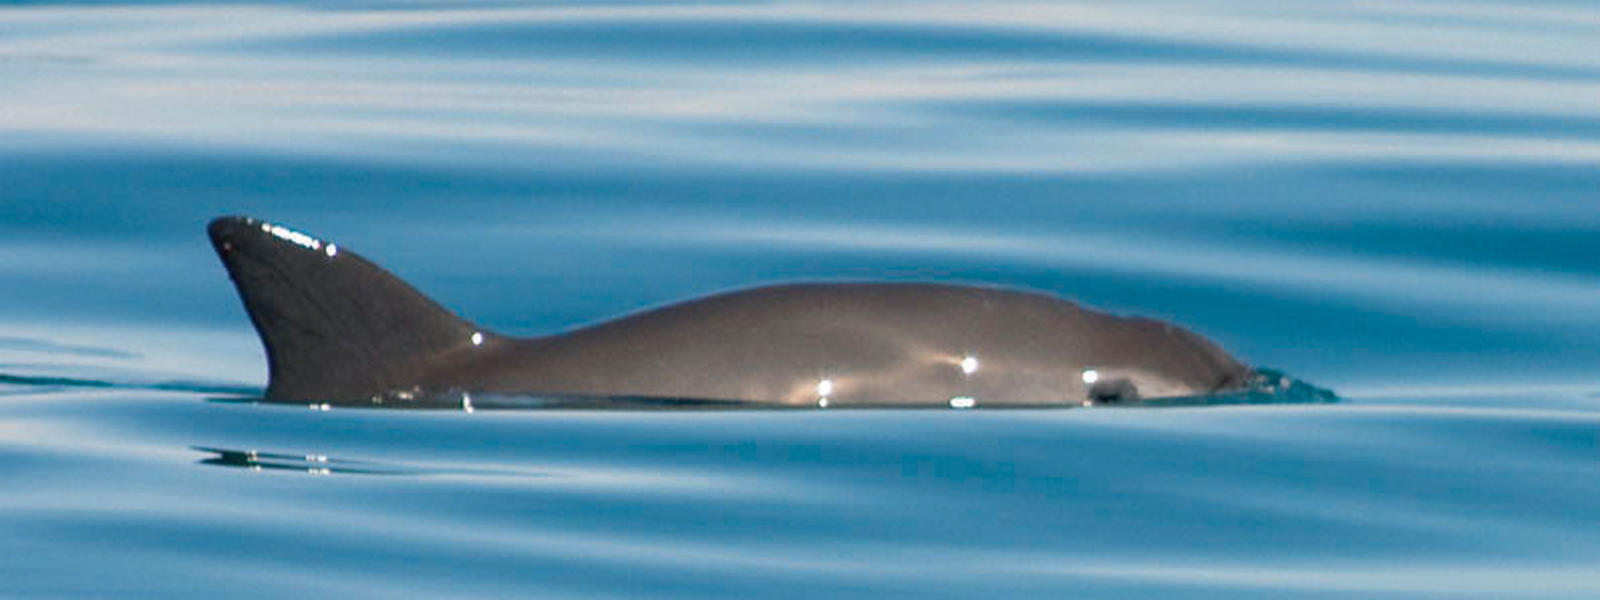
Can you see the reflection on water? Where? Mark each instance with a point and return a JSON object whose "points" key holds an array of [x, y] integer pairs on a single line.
{"points": [[825, 86], [1350, 501], [47, 382], [314, 464], [24, 344], [1394, 199]]}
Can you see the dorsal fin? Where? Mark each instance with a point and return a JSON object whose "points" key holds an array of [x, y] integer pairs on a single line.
{"points": [[335, 326]]}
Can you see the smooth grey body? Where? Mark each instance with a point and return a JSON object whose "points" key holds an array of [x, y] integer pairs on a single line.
{"points": [[880, 344], [336, 328]]}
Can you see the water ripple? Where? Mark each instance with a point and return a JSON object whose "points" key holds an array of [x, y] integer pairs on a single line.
{"points": [[1393, 198], [462, 86]]}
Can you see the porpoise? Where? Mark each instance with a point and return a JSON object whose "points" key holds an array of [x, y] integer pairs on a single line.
{"points": [[338, 328]]}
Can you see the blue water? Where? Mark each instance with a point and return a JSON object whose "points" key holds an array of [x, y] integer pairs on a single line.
{"points": [[1396, 200]]}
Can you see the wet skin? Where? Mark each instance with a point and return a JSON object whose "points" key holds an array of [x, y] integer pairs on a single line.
{"points": [[338, 328]]}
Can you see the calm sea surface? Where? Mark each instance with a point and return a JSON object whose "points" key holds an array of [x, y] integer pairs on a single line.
{"points": [[1397, 200]]}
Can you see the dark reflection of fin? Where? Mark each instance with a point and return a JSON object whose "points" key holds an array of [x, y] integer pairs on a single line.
{"points": [[321, 464], [165, 386], [316, 464]]}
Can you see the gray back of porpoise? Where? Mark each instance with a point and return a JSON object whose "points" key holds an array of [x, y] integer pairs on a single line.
{"points": [[337, 327]]}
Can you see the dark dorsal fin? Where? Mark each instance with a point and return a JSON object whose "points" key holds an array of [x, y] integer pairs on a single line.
{"points": [[335, 326]]}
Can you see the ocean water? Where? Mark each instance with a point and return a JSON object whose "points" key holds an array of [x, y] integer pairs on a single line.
{"points": [[1397, 200]]}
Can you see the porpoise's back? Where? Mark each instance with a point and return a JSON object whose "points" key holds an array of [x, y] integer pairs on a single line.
{"points": [[873, 343], [337, 327]]}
